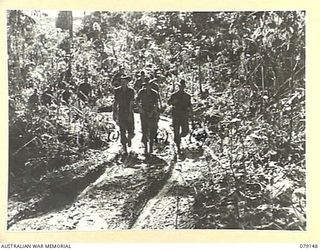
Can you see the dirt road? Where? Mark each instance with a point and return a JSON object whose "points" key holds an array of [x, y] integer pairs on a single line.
{"points": [[110, 191]]}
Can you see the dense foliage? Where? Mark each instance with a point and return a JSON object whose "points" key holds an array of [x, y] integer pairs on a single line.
{"points": [[244, 70]]}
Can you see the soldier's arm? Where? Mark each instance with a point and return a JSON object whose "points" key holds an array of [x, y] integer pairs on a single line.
{"points": [[158, 104], [131, 111], [131, 104]]}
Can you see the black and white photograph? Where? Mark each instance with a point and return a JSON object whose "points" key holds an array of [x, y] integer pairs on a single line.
{"points": [[123, 120]]}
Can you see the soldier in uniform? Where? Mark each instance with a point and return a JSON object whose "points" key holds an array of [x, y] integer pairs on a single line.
{"points": [[148, 103], [181, 102], [123, 111], [33, 100]]}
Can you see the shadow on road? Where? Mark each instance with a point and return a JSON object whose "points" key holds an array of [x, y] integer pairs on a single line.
{"points": [[58, 197]]}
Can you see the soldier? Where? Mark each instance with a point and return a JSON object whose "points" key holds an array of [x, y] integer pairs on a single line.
{"points": [[181, 111], [123, 112], [33, 100], [47, 96], [148, 103]]}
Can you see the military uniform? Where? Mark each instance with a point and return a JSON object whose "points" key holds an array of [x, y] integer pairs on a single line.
{"points": [[34, 100], [125, 113], [181, 102], [149, 115]]}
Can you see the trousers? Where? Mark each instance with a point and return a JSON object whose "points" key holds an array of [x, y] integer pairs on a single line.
{"points": [[180, 127], [149, 126], [126, 124]]}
